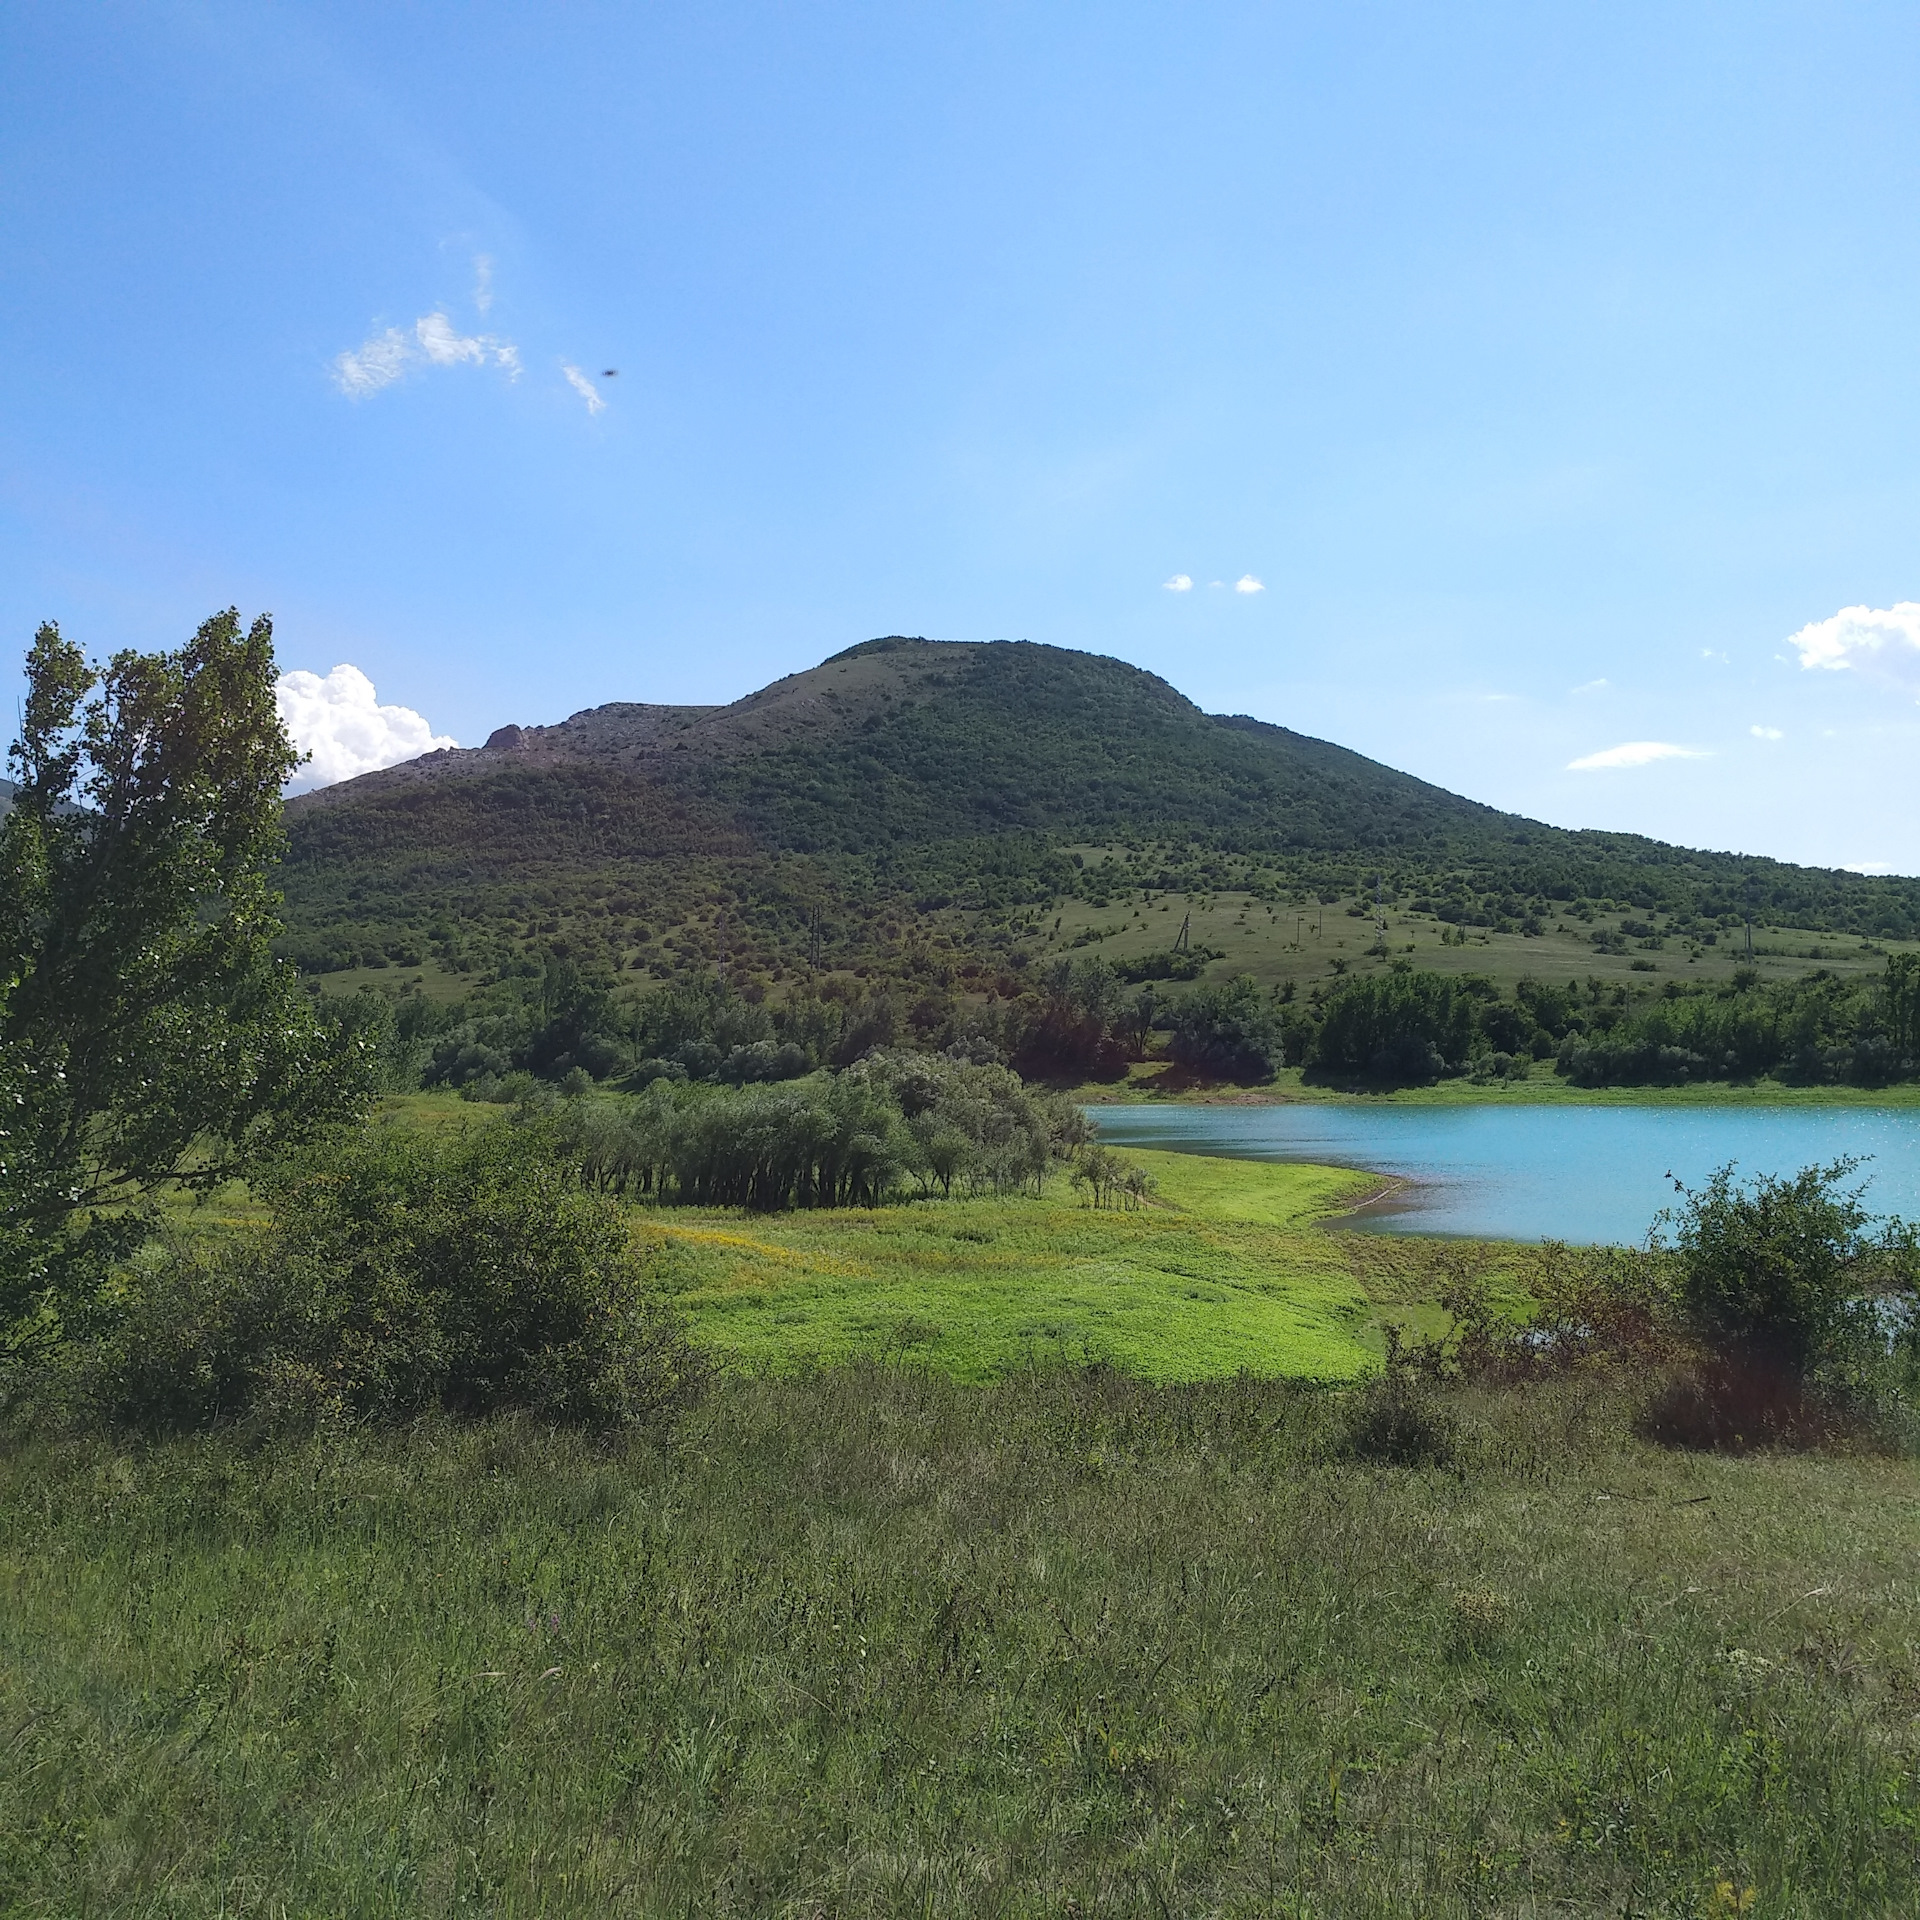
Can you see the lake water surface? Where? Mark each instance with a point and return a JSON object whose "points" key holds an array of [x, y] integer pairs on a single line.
{"points": [[1583, 1174]]}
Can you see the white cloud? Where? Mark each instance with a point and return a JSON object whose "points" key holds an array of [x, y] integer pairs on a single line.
{"points": [[1180, 583], [1720, 659], [483, 284], [1881, 642], [585, 388], [341, 723], [386, 357], [1590, 686], [1248, 584], [1766, 733], [1633, 753], [445, 348], [376, 364], [1870, 866]]}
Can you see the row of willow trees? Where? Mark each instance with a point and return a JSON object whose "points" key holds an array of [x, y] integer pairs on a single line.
{"points": [[893, 1123]]}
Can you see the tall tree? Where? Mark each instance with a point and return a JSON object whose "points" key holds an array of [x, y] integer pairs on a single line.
{"points": [[147, 1033]]}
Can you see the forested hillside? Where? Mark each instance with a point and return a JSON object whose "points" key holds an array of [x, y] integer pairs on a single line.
{"points": [[911, 805]]}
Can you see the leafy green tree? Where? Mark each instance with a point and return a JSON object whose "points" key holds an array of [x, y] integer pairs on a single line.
{"points": [[1784, 1276], [1903, 1004], [147, 1033], [1397, 1026], [1232, 1030]]}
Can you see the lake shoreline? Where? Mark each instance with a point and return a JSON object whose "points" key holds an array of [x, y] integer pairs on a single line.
{"points": [[1587, 1173], [1164, 1087]]}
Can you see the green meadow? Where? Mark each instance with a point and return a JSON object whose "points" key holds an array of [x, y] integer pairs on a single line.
{"points": [[1226, 1270], [1023, 1559], [1278, 944], [870, 1641]]}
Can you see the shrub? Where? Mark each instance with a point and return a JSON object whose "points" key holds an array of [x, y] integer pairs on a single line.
{"points": [[1394, 1419], [1108, 1180], [1803, 1304], [402, 1275], [1603, 1310], [1787, 1274]]}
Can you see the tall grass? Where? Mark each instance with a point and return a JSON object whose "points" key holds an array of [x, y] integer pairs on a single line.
{"points": [[870, 1642]]}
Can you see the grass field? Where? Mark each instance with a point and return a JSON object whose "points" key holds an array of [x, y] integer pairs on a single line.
{"points": [[1226, 1271], [917, 1613], [872, 1642], [1277, 944]]}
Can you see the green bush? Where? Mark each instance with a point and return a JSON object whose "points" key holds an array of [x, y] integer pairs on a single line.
{"points": [[401, 1275], [1787, 1272], [1803, 1303]]}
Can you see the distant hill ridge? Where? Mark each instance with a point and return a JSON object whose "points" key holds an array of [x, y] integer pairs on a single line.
{"points": [[917, 769], [966, 737]]}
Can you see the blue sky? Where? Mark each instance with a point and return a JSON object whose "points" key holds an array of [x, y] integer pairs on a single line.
{"points": [[1550, 368]]}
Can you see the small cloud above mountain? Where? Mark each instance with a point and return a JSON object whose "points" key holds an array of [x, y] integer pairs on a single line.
{"points": [[338, 720], [1633, 753], [585, 388], [1882, 643]]}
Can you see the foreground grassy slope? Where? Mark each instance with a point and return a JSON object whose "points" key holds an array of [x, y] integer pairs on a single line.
{"points": [[873, 1643], [1226, 1273]]}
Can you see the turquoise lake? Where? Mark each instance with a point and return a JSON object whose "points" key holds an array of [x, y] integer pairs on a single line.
{"points": [[1584, 1174]]}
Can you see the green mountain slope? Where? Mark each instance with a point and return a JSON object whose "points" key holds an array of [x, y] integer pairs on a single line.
{"points": [[908, 795]]}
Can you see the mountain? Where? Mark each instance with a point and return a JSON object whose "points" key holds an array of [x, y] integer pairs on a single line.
{"points": [[911, 791]]}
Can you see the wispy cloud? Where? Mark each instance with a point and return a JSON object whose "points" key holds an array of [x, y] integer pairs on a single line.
{"points": [[1248, 584], [339, 720], [1180, 583], [585, 388], [1633, 753], [433, 342], [377, 363], [1591, 686], [483, 284], [446, 348], [1766, 733], [1882, 643]]}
